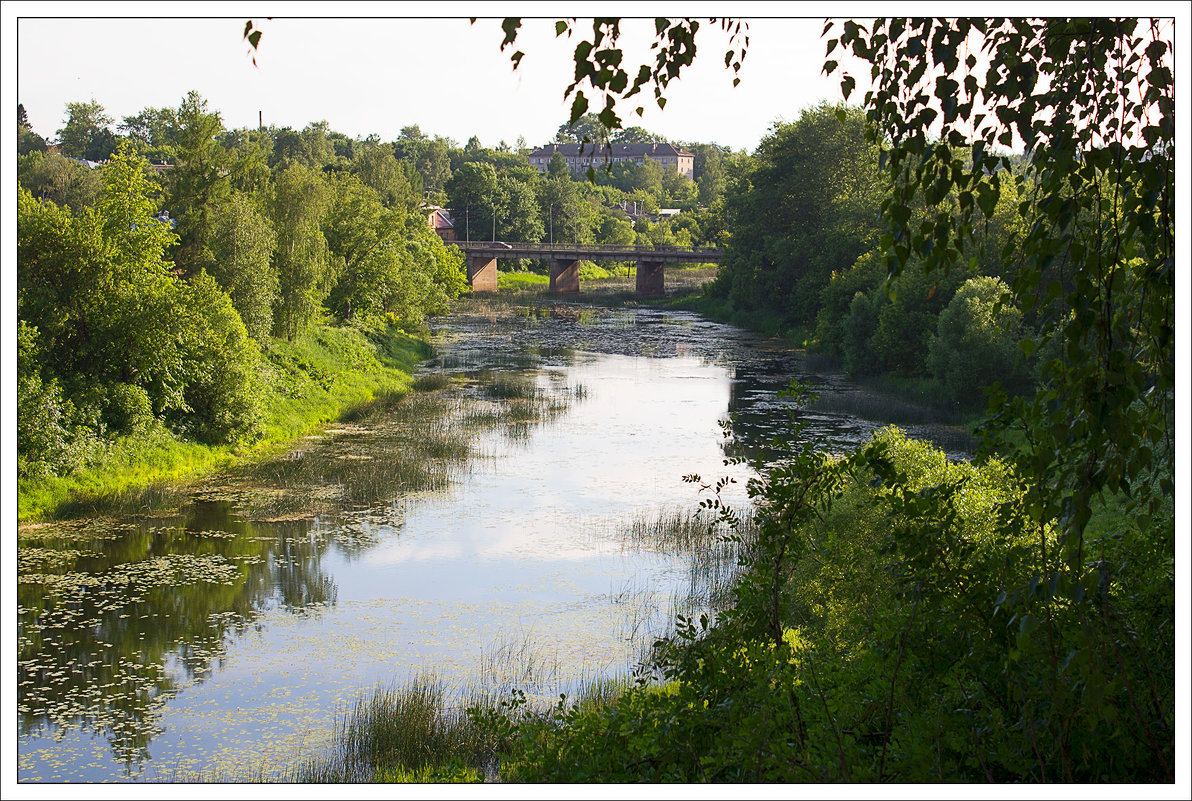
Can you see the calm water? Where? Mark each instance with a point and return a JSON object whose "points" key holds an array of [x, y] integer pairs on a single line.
{"points": [[225, 632]]}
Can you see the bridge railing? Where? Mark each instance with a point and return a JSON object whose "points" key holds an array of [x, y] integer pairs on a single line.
{"points": [[550, 247]]}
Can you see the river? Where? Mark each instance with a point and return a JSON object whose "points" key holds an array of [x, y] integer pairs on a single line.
{"points": [[494, 533]]}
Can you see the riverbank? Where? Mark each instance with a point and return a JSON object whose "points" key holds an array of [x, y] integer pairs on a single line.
{"points": [[904, 401], [321, 375]]}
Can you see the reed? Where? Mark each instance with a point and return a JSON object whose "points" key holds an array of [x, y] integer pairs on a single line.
{"points": [[409, 733]]}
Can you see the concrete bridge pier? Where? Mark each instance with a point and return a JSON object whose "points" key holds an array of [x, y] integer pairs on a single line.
{"points": [[482, 273], [564, 275], [650, 279]]}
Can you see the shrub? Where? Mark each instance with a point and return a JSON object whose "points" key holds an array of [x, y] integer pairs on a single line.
{"points": [[976, 341]]}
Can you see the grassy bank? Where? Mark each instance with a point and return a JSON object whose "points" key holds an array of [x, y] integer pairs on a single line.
{"points": [[312, 380]]}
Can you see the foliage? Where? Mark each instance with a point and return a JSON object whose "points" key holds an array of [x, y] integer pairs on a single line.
{"points": [[153, 131], [43, 415], [87, 134], [198, 183], [27, 140], [876, 637], [301, 259], [64, 181], [222, 395], [241, 245], [601, 69], [976, 341], [119, 337], [810, 207], [1092, 101], [378, 169]]}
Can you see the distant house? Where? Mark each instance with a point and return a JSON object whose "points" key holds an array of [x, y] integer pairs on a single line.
{"points": [[440, 221], [582, 156]]}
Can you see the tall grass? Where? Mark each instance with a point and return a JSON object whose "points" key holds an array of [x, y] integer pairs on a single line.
{"points": [[406, 734]]}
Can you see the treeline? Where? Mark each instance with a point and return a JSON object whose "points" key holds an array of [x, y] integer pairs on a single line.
{"points": [[805, 258], [153, 295], [161, 258]]}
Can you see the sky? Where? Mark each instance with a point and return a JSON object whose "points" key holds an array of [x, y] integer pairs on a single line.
{"points": [[377, 74]]}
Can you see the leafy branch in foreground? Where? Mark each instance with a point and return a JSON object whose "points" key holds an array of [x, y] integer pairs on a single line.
{"points": [[1091, 101], [600, 65]]}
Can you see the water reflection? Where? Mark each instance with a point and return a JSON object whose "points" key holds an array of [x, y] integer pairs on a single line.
{"points": [[433, 531]]}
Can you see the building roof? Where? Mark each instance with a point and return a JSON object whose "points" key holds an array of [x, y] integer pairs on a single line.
{"points": [[652, 149]]}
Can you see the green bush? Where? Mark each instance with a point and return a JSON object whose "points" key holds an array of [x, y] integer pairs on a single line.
{"points": [[976, 341], [221, 368], [128, 409]]}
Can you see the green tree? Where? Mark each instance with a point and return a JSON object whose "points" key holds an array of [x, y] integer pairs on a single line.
{"points": [[434, 165], [64, 181], [811, 207], [87, 133], [557, 167], [241, 243], [198, 183], [976, 341], [27, 141], [563, 210], [587, 128], [473, 194], [221, 368], [1100, 202], [249, 154], [518, 217], [1092, 102], [305, 275], [377, 168], [154, 132], [117, 330]]}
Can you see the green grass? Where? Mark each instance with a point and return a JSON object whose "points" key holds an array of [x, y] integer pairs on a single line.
{"points": [[408, 734], [317, 378], [518, 282]]}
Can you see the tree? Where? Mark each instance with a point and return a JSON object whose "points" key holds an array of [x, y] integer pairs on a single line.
{"points": [[86, 133], [518, 217], [1092, 103], [377, 168], [810, 208], [304, 271], [473, 192], [241, 244], [117, 330], [587, 128], [976, 341], [27, 141], [634, 135], [154, 131], [64, 181], [199, 180]]}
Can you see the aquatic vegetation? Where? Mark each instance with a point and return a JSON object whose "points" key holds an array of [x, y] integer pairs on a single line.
{"points": [[393, 733]]}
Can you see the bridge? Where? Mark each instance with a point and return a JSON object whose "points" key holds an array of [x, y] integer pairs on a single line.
{"points": [[564, 262]]}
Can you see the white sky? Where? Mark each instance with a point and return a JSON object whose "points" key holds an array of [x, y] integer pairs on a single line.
{"points": [[378, 74]]}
